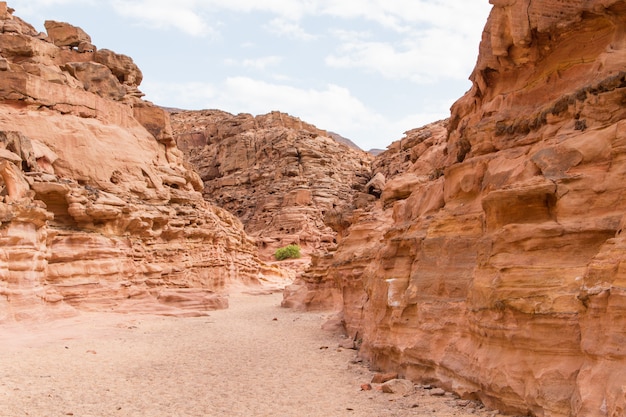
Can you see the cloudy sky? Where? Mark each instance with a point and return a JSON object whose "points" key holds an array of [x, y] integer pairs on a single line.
{"points": [[366, 69]]}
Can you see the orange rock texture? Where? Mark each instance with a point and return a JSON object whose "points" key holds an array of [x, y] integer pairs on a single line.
{"points": [[286, 180], [493, 263], [98, 210]]}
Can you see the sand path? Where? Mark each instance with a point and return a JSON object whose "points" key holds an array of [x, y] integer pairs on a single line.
{"points": [[254, 359]]}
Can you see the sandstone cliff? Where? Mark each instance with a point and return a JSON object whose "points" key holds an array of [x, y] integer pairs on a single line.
{"points": [[286, 180], [98, 210], [493, 262], [416, 159]]}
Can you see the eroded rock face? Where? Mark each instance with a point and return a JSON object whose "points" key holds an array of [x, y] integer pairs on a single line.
{"points": [[282, 177], [334, 280], [498, 273], [98, 210]]}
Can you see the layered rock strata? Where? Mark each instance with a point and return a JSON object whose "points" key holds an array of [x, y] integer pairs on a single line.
{"points": [[98, 210], [495, 261], [283, 178], [334, 278]]}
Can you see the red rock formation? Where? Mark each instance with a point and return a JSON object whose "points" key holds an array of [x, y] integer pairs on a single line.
{"points": [[98, 210], [334, 279], [282, 177], [494, 265]]}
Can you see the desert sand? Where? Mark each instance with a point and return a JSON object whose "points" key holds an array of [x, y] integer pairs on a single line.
{"points": [[253, 359]]}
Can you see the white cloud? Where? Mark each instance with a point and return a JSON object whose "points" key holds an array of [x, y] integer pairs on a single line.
{"points": [[33, 4], [261, 63], [191, 16], [396, 14], [399, 15], [181, 14], [424, 57], [373, 10], [435, 40], [34, 9], [282, 27], [190, 95], [347, 36], [331, 108], [404, 15], [288, 9]]}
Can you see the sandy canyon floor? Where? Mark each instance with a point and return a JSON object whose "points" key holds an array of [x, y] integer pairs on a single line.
{"points": [[254, 359]]}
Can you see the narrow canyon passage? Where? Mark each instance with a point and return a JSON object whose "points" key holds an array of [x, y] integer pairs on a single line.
{"points": [[254, 359]]}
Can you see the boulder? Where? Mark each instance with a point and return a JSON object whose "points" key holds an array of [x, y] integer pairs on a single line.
{"points": [[64, 34], [376, 185], [398, 386], [122, 66]]}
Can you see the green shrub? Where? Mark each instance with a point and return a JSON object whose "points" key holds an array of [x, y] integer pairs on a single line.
{"points": [[287, 252]]}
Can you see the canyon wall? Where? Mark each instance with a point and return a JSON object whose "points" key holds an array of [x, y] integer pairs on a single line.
{"points": [[493, 262], [286, 180], [98, 209]]}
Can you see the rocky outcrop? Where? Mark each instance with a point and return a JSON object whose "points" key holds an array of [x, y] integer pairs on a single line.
{"points": [[494, 265], [285, 179], [334, 279], [98, 210]]}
